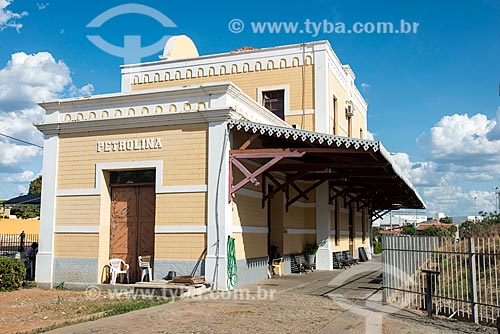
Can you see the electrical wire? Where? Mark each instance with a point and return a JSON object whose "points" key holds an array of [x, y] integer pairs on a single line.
{"points": [[20, 140], [217, 227]]}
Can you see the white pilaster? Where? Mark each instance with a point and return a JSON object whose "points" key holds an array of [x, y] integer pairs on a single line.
{"points": [[321, 112], [45, 257], [324, 259], [126, 82], [219, 209]]}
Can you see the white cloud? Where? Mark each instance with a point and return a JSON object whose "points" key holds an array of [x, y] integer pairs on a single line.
{"points": [[42, 5], [22, 190], [467, 147], [26, 176], [19, 124], [28, 79], [452, 198], [462, 140], [25, 80], [462, 155], [494, 134], [86, 90], [421, 174], [445, 198], [13, 155], [8, 19], [370, 135], [365, 85]]}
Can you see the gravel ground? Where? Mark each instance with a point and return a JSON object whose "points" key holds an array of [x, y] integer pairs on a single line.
{"points": [[321, 302], [312, 303], [28, 309], [285, 313]]}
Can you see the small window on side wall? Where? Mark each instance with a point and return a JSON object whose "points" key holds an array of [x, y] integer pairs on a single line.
{"points": [[274, 101]]}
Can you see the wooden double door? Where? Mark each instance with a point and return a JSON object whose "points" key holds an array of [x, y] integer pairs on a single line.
{"points": [[132, 225]]}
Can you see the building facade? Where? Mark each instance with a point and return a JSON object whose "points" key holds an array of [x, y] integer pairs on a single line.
{"points": [[266, 146]]}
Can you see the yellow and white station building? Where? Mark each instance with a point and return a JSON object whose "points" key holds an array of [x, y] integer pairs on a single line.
{"points": [[267, 146]]}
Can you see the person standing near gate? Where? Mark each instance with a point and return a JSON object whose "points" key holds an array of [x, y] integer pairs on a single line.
{"points": [[21, 241], [30, 253]]}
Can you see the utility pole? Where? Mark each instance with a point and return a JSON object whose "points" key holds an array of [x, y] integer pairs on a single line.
{"points": [[497, 198], [390, 219], [475, 209]]}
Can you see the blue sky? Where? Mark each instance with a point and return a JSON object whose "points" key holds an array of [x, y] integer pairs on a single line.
{"points": [[433, 95]]}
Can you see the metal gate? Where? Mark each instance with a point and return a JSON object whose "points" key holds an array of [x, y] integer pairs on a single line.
{"points": [[468, 283]]}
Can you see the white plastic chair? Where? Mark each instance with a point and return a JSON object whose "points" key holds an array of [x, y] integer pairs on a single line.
{"points": [[115, 269], [145, 270], [277, 264]]}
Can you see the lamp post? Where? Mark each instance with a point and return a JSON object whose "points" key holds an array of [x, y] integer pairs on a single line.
{"points": [[390, 220], [394, 206], [497, 198], [475, 209]]}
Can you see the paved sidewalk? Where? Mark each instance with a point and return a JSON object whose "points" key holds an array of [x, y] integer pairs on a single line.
{"points": [[321, 302]]}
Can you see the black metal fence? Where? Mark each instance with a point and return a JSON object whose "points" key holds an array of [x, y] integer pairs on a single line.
{"points": [[14, 246], [468, 280], [11, 244]]}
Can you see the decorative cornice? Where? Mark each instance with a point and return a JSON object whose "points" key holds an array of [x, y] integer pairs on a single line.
{"points": [[206, 103], [305, 136], [255, 53], [111, 100], [135, 122]]}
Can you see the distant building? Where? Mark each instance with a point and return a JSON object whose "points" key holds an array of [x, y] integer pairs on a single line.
{"points": [[399, 219], [439, 215], [459, 220], [432, 223], [4, 212]]}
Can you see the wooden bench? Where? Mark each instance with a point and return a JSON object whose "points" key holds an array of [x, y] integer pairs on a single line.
{"points": [[302, 264], [339, 261], [348, 257]]}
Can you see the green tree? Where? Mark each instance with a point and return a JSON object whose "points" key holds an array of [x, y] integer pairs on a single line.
{"points": [[36, 186], [376, 233], [490, 218], [466, 229], [446, 220], [431, 231], [490, 224], [409, 230], [25, 211], [451, 231]]}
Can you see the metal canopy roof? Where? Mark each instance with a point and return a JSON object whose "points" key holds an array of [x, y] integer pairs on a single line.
{"points": [[361, 171], [32, 199]]}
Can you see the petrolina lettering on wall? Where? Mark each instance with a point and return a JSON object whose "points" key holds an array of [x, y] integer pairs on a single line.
{"points": [[129, 145]]}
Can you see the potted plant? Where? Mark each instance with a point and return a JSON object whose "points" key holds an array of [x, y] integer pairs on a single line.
{"points": [[310, 249]]}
